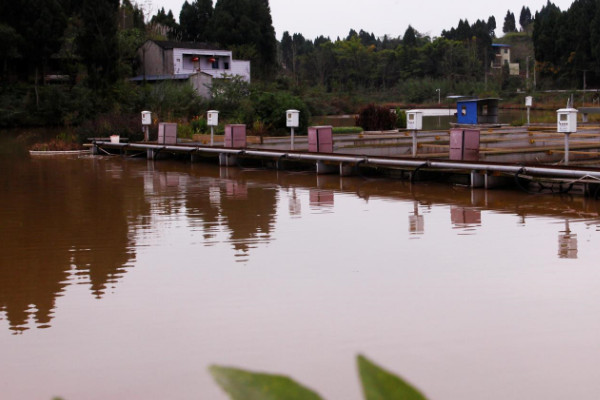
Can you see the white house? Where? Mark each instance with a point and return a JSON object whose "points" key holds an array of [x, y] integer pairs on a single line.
{"points": [[502, 56], [197, 62]]}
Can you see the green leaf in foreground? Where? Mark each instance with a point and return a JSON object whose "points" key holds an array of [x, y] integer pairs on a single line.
{"points": [[379, 384], [245, 385]]}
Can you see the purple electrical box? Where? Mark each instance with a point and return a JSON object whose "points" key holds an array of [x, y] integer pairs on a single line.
{"points": [[464, 144], [235, 135], [167, 133], [320, 139]]}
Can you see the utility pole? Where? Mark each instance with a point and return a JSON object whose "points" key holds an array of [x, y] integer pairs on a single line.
{"points": [[527, 72]]}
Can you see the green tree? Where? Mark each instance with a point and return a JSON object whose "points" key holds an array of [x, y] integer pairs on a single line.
{"points": [[246, 27], [194, 19], [525, 18], [97, 41], [509, 23], [9, 46], [165, 24], [491, 24], [410, 37]]}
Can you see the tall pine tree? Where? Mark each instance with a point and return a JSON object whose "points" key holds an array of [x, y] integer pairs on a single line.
{"points": [[247, 27], [194, 19], [97, 41]]}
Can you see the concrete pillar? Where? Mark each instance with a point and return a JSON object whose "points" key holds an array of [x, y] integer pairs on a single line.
{"points": [[477, 179], [347, 170], [323, 168], [227, 160]]}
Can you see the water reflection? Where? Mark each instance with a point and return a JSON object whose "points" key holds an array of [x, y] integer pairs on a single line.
{"points": [[567, 243], [81, 221], [54, 232], [416, 222]]}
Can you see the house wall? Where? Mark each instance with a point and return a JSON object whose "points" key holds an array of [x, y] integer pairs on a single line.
{"points": [[183, 64], [242, 68], [155, 60], [202, 83]]}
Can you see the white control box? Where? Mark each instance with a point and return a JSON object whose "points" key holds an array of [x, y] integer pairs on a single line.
{"points": [[414, 120], [292, 118], [212, 118], [146, 118], [566, 120]]}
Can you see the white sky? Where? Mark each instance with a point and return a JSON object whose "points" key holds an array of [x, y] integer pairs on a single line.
{"points": [[335, 18]]}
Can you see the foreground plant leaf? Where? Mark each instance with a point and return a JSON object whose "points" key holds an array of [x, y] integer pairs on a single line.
{"points": [[245, 385], [379, 384]]}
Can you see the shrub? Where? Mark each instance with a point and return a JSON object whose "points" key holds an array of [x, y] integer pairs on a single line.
{"points": [[270, 109], [400, 118], [347, 129], [104, 125], [199, 124], [376, 118]]}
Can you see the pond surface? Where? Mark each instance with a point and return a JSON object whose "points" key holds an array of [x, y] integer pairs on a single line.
{"points": [[122, 278]]}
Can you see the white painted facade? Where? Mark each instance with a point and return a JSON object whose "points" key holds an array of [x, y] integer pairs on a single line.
{"points": [[216, 63]]}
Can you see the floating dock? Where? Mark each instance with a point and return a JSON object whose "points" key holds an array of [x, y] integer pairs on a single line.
{"points": [[529, 158]]}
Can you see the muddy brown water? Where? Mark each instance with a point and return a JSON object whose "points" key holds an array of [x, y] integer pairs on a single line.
{"points": [[122, 278]]}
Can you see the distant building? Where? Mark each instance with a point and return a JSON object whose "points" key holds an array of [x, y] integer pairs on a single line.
{"points": [[502, 56], [197, 63]]}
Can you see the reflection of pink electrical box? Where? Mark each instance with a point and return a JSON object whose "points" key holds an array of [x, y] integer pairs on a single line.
{"points": [[464, 144], [321, 197], [167, 133], [235, 135], [462, 216], [320, 139]]}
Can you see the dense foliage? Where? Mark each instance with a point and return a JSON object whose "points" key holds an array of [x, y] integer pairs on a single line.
{"points": [[361, 61], [567, 44], [64, 62], [376, 118]]}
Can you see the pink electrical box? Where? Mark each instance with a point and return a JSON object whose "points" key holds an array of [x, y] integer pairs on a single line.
{"points": [[464, 144], [167, 133], [320, 139], [235, 135]]}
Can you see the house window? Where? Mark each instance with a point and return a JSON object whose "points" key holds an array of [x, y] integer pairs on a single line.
{"points": [[505, 51], [463, 111], [225, 65], [215, 64], [484, 109]]}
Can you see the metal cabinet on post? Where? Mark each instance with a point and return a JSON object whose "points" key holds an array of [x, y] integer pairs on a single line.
{"points": [[167, 133], [464, 144], [235, 136], [320, 139]]}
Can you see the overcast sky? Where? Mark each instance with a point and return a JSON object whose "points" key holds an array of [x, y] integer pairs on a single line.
{"points": [[335, 18]]}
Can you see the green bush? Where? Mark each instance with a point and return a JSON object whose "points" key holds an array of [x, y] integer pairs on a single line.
{"points": [[347, 129], [169, 101], [270, 108], [199, 124], [376, 118], [400, 118]]}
